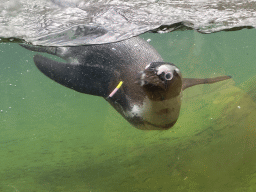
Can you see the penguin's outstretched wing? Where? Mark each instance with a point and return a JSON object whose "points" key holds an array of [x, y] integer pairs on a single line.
{"points": [[93, 80], [85, 70], [189, 82]]}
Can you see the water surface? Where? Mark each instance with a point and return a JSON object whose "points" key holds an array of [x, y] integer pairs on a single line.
{"points": [[79, 22]]}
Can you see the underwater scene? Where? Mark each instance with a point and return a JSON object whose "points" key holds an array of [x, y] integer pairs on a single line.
{"points": [[55, 139]]}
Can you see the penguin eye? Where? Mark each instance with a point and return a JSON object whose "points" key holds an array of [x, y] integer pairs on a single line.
{"points": [[168, 76]]}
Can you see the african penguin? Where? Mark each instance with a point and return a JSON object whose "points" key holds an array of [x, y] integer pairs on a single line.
{"points": [[130, 75]]}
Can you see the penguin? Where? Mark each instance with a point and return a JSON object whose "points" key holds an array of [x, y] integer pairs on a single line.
{"points": [[130, 75]]}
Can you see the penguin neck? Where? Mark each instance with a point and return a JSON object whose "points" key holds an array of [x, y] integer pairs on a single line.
{"points": [[157, 93]]}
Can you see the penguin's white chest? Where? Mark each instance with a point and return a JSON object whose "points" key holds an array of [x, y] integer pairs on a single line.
{"points": [[158, 113], [161, 112]]}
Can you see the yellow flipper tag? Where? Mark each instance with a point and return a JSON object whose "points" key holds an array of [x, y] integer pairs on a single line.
{"points": [[119, 85], [116, 89]]}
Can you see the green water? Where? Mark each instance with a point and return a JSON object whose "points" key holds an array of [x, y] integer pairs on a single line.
{"points": [[55, 139]]}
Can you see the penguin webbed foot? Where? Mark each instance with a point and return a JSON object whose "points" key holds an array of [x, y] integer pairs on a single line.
{"points": [[50, 50]]}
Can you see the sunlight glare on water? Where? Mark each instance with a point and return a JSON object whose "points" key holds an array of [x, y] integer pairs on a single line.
{"points": [[66, 23]]}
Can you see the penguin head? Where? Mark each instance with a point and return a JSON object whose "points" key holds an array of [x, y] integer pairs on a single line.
{"points": [[161, 81]]}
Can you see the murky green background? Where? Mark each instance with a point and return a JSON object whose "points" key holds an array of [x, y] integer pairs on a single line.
{"points": [[55, 139]]}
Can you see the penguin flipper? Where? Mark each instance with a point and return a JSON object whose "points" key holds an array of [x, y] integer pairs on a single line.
{"points": [[93, 80], [189, 82]]}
